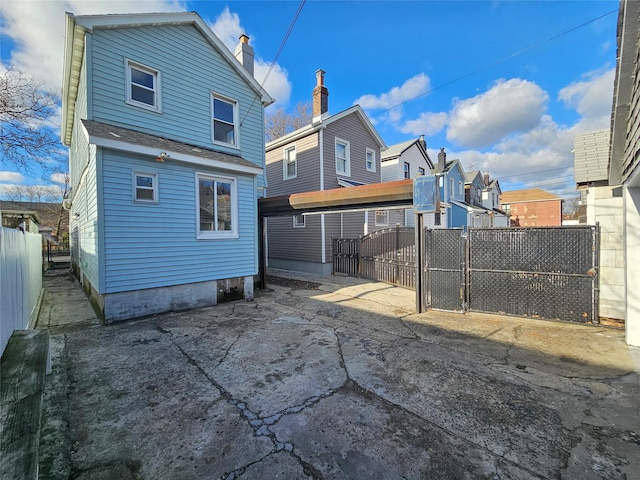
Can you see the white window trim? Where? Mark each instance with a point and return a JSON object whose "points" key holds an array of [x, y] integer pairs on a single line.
{"points": [[406, 170], [452, 187], [225, 234], [157, 91], [236, 129], [373, 155], [134, 184], [284, 162], [347, 172], [386, 216], [298, 225]]}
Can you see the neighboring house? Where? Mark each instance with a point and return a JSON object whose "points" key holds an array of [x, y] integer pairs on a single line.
{"points": [[604, 205], [51, 217], [165, 129], [402, 161], [334, 151], [453, 209], [532, 208], [624, 164], [21, 215]]}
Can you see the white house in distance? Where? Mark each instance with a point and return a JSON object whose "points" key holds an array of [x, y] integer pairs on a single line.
{"points": [[165, 128], [405, 160]]}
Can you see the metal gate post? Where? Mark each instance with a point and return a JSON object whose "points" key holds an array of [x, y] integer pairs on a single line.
{"points": [[467, 272], [359, 256], [420, 307], [595, 294]]}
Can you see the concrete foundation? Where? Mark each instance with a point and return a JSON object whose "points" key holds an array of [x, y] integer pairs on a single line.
{"points": [[114, 307], [300, 266]]}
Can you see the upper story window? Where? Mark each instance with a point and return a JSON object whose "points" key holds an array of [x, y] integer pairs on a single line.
{"points": [[452, 187], [343, 160], [143, 86], [420, 170], [506, 208], [145, 187], [382, 218], [225, 117], [290, 163], [407, 170], [216, 207], [370, 161]]}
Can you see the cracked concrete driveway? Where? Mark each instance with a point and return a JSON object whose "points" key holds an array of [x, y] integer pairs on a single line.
{"points": [[337, 380]]}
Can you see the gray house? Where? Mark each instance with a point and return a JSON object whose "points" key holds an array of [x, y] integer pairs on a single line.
{"points": [[334, 151]]}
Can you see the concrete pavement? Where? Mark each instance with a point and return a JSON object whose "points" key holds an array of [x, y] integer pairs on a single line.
{"points": [[333, 378]]}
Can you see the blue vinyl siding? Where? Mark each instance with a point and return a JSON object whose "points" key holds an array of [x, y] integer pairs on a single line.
{"points": [[155, 245], [458, 216], [189, 70], [79, 144]]}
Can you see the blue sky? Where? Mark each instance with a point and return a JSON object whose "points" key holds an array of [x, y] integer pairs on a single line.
{"points": [[502, 85]]}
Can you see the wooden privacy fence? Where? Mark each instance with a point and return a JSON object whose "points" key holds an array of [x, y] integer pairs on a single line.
{"points": [[385, 255]]}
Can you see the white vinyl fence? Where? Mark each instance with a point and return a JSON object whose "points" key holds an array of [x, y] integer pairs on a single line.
{"points": [[20, 280]]}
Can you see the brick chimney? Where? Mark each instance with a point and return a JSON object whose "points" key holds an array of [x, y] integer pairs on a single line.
{"points": [[423, 142], [442, 160], [244, 53], [320, 96], [486, 179]]}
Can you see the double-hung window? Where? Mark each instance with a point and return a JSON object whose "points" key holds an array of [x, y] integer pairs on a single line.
{"points": [[143, 86], [407, 170], [290, 163], [382, 218], [225, 118], [370, 161], [145, 187], [420, 170], [216, 206], [343, 162]]}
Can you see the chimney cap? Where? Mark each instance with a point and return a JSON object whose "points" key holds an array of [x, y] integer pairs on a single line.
{"points": [[244, 38]]}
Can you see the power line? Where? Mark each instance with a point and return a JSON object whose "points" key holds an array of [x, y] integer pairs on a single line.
{"points": [[497, 62], [275, 59]]}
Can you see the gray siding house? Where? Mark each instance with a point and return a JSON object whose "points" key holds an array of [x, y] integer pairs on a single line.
{"points": [[164, 175], [334, 151]]}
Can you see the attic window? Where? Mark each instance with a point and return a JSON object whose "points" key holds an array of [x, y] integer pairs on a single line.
{"points": [[225, 117], [143, 86]]}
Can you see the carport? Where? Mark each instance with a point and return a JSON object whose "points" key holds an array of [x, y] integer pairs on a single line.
{"points": [[352, 199]]}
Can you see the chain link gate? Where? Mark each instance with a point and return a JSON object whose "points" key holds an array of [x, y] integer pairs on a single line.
{"points": [[537, 272], [445, 261]]}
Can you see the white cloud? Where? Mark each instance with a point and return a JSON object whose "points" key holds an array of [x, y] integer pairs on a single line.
{"points": [[14, 177], [510, 106], [59, 178], [415, 86], [592, 98], [426, 124]]}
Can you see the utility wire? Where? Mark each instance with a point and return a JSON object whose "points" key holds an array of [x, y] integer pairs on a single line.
{"points": [[275, 59], [497, 62]]}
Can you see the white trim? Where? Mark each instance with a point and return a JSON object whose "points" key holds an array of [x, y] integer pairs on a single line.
{"points": [[312, 127], [157, 104], [297, 225], [373, 154], [215, 234], [154, 188], [205, 162], [236, 125], [385, 223], [347, 153], [285, 162], [323, 246], [321, 142]]}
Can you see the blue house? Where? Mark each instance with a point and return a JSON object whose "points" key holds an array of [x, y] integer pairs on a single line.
{"points": [[165, 128], [451, 180]]}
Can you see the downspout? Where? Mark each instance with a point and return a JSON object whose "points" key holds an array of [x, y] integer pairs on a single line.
{"points": [[322, 226]]}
